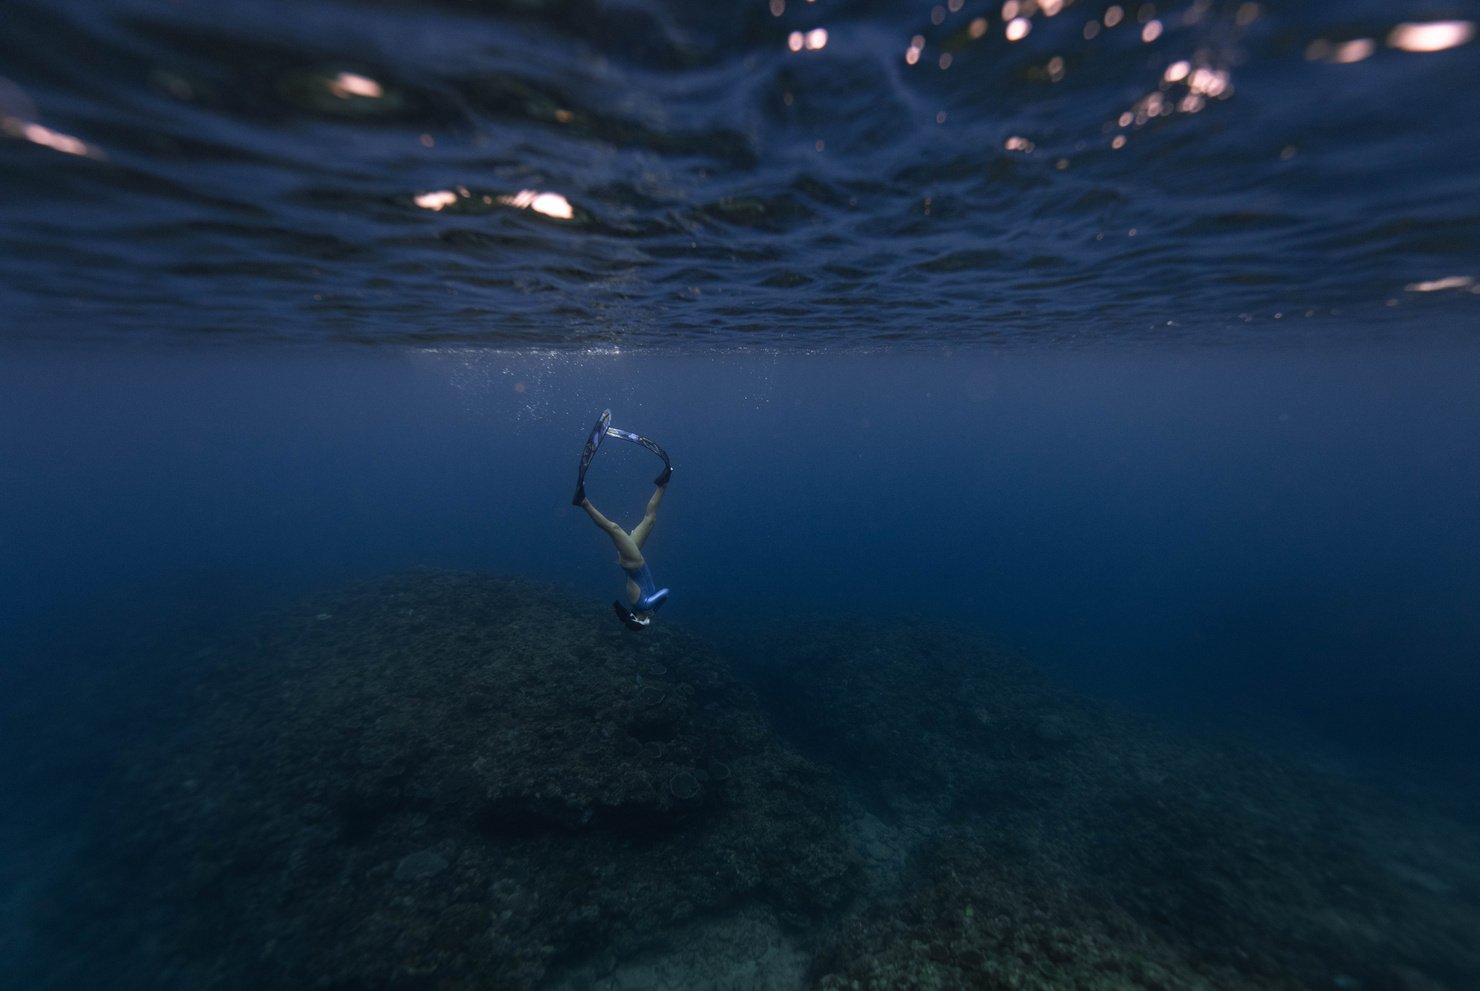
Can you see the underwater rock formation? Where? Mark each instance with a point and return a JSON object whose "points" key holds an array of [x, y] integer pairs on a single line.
{"points": [[445, 780], [1064, 844], [451, 781]]}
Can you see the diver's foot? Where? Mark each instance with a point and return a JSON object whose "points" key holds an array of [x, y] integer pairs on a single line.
{"points": [[580, 495], [662, 479]]}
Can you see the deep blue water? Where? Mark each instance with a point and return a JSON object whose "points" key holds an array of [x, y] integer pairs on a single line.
{"points": [[1145, 343], [1290, 534]]}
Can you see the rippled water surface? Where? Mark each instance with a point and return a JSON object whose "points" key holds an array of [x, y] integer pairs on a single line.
{"points": [[587, 172]]}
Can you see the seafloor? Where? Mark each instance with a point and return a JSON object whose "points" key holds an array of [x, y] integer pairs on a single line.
{"points": [[455, 781]]}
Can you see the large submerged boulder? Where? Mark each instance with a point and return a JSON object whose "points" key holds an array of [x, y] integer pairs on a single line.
{"points": [[448, 780]]}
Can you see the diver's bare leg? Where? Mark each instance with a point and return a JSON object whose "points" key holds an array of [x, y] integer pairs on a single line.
{"points": [[649, 517], [628, 553]]}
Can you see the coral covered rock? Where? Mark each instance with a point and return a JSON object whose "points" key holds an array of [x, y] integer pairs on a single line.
{"points": [[446, 780], [1059, 843]]}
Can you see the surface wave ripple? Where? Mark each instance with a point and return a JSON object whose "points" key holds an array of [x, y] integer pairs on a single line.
{"points": [[571, 173]]}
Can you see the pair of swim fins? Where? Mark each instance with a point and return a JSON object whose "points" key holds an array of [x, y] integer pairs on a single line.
{"points": [[600, 432]]}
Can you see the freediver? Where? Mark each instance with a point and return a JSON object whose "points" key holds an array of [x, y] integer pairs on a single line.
{"points": [[643, 595]]}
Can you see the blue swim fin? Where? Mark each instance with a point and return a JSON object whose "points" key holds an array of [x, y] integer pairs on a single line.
{"points": [[588, 453], [652, 446]]}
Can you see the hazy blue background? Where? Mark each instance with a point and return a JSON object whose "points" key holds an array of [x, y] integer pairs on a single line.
{"points": [[1280, 536]]}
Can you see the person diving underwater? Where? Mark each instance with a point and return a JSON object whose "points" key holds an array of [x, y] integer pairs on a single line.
{"points": [[643, 595]]}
